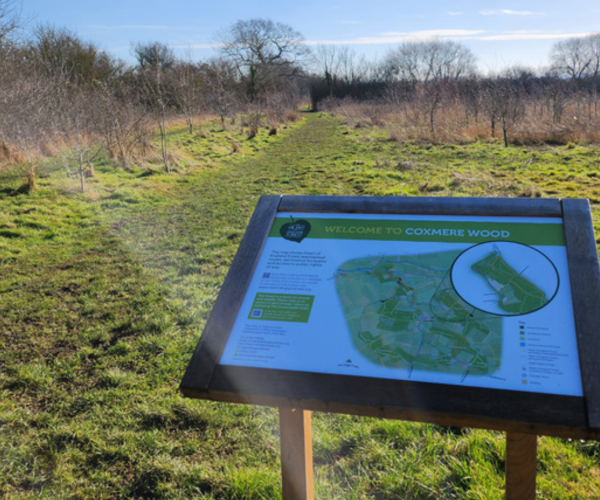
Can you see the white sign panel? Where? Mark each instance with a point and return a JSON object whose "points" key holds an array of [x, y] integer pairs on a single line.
{"points": [[474, 301]]}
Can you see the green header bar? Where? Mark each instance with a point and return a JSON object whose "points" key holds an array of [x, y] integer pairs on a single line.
{"points": [[445, 231]]}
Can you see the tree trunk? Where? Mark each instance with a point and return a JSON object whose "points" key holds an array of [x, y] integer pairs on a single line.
{"points": [[31, 184], [122, 157], [431, 122], [163, 140], [252, 84], [81, 171], [190, 122]]}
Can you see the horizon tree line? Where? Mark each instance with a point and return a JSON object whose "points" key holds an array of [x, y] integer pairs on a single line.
{"points": [[59, 93]]}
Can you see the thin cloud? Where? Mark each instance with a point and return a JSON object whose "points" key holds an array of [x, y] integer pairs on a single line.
{"points": [[395, 37], [431, 33], [508, 12], [446, 33], [454, 13], [531, 36], [134, 27], [399, 37], [197, 46]]}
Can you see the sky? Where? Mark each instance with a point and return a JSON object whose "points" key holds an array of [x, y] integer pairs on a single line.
{"points": [[500, 33]]}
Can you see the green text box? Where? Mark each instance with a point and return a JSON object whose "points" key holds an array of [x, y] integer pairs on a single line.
{"points": [[281, 307]]}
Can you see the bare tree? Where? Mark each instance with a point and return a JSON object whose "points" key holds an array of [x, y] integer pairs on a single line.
{"points": [[189, 88], [265, 52], [569, 58], [27, 99], [155, 61], [123, 122], [577, 58], [556, 92], [430, 60], [10, 19], [432, 67], [59, 53], [81, 146], [327, 61], [594, 49], [222, 87], [153, 56], [504, 103], [472, 97], [342, 73]]}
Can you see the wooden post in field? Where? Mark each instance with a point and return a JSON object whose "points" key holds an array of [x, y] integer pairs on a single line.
{"points": [[521, 452], [296, 454]]}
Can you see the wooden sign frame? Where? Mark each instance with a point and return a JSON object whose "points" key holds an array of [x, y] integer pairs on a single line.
{"points": [[515, 412]]}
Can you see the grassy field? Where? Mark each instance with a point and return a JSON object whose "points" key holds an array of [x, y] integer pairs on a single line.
{"points": [[103, 296]]}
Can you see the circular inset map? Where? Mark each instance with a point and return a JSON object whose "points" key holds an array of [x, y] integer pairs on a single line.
{"points": [[504, 278]]}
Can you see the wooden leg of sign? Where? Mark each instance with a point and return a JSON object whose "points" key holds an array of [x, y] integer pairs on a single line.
{"points": [[296, 454], [521, 450]]}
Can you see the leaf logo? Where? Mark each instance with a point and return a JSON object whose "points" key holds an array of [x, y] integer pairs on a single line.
{"points": [[296, 230]]}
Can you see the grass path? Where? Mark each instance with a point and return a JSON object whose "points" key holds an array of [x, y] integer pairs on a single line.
{"points": [[190, 237]]}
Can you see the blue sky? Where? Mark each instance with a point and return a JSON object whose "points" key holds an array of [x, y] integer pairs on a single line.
{"points": [[500, 33]]}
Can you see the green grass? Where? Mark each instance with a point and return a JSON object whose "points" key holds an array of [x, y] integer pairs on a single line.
{"points": [[103, 296]]}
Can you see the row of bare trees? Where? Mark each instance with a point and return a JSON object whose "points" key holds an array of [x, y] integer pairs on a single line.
{"points": [[433, 85], [61, 95]]}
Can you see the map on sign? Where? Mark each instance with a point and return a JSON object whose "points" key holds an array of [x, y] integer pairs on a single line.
{"points": [[512, 279], [403, 312], [516, 294], [474, 301]]}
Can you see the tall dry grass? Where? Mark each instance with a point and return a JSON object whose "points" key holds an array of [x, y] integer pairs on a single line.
{"points": [[454, 122]]}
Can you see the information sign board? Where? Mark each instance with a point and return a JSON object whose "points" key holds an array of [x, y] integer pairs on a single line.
{"points": [[438, 309], [476, 301]]}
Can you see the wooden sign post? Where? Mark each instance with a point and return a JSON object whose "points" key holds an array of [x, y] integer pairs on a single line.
{"points": [[521, 452], [296, 454], [296, 459], [455, 311]]}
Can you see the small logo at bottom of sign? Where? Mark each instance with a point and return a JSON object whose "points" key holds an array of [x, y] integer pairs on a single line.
{"points": [[348, 364]]}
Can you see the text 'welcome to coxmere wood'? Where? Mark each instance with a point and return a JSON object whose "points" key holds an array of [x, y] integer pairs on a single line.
{"points": [[417, 231], [440, 229]]}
